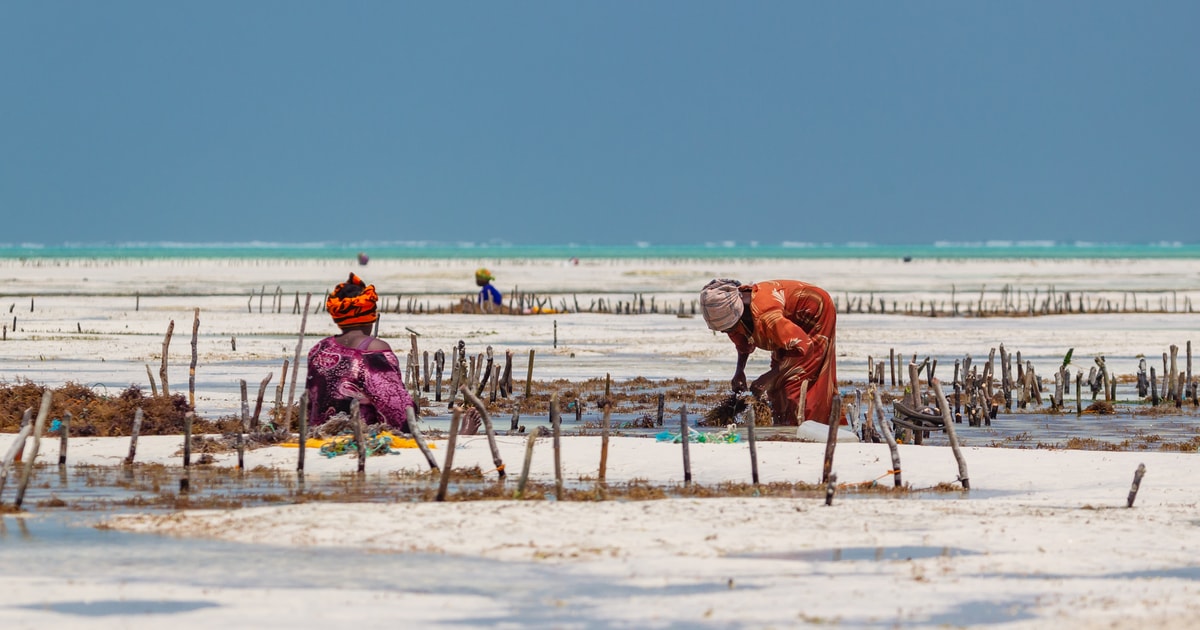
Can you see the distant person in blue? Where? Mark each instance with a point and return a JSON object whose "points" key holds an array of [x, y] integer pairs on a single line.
{"points": [[487, 292]]}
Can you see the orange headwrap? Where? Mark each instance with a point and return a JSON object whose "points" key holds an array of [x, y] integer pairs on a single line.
{"points": [[356, 310]]}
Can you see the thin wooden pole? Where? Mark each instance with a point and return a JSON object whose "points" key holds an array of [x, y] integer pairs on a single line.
{"points": [[683, 435], [360, 443], [526, 464], [243, 427], [287, 414], [603, 436], [448, 463], [1137, 482], [187, 439], [835, 416], [192, 365], [162, 371], [472, 398], [38, 426], [133, 436], [420, 439], [948, 420], [302, 434], [556, 426], [885, 428], [529, 376], [751, 420], [258, 403], [63, 436], [15, 449]]}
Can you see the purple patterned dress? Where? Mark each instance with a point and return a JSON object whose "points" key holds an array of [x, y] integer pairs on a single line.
{"points": [[337, 375]]}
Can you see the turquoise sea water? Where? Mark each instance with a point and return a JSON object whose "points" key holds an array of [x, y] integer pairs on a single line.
{"points": [[499, 250]]}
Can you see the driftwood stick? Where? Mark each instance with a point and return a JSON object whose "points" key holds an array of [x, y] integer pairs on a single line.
{"points": [[420, 439], [38, 426], [948, 421], [472, 398], [162, 371], [63, 436], [885, 428], [835, 415], [525, 465], [133, 436], [287, 414], [448, 462], [1137, 482], [556, 426], [683, 435]]}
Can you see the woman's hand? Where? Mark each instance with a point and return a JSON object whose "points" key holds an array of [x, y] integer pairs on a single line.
{"points": [[764, 383], [738, 382]]}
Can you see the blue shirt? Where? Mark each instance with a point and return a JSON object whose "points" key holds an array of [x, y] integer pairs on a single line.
{"points": [[489, 292]]}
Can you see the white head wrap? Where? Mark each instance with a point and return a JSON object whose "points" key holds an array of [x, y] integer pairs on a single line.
{"points": [[721, 303]]}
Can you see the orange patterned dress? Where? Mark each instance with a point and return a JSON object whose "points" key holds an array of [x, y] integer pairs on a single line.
{"points": [[795, 321]]}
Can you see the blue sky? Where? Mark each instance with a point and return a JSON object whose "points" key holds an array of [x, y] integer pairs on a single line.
{"points": [[599, 122]]}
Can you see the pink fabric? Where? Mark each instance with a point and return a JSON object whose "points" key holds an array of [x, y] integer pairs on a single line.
{"points": [[337, 375]]}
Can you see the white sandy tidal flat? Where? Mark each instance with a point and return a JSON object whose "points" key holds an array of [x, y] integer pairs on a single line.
{"points": [[1042, 540]]}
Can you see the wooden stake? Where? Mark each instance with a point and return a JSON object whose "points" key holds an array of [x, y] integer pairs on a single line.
{"points": [[153, 385], [470, 397], [302, 434], [752, 420], [63, 436], [287, 414], [603, 435], [245, 425], [162, 371], [187, 439], [38, 426], [835, 416], [449, 460], [885, 428], [556, 426], [192, 365], [529, 376], [830, 487], [359, 438], [520, 494], [133, 436], [683, 435], [1137, 482], [661, 401], [420, 439], [258, 403], [15, 449], [439, 361], [948, 421]]}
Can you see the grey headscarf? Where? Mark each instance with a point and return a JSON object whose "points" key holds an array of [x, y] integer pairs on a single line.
{"points": [[721, 303]]}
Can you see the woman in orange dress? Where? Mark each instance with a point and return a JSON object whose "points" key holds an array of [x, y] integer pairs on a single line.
{"points": [[793, 320]]}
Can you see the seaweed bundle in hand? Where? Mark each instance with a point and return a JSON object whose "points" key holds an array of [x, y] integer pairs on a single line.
{"points": [[725, 411]]}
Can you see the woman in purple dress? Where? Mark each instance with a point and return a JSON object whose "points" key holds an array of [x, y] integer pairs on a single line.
{"points": [[354, 365]]}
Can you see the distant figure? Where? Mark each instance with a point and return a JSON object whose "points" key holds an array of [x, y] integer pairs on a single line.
{"points": [[796, 322], [363, 259], [354, 364], [487, 292]]}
